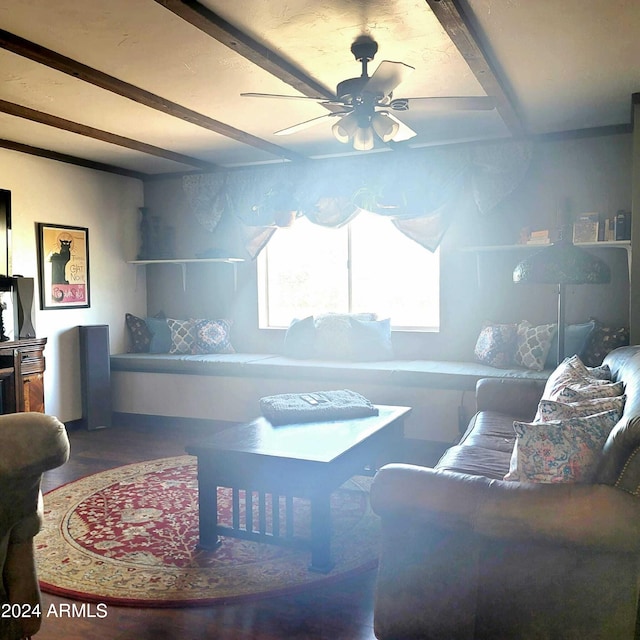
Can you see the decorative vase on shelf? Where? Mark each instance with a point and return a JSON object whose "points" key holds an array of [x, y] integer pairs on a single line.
{"points": [[146, 235]]}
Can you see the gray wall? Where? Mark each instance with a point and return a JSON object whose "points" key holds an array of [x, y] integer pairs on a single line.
{"points": [[583, 175]]}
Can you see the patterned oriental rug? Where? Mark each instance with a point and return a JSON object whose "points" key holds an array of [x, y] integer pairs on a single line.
{"points": [[129, 537]]}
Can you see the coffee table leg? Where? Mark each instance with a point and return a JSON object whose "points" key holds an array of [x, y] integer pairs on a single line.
{"points": [[207, 508], [321, 534]]}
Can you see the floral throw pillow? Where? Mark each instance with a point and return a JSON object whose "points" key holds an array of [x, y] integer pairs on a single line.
{"points": [[496, 345], [603, 340], [561, 450], [533, 344], [550, 410], [182, 335], [139, 335], [580, 392], [211, 336]]}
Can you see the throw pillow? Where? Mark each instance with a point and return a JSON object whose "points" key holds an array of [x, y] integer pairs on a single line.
{"points": [[603, 340], [560, 451], [182, 336], [570, 371], [139, 335], [550, 410], [496, 345], [160, 335], [576, 337], [580, 392], [603, 372], [334, 334], [371, 340], [211, 336], [532, 345], [300, 339]]}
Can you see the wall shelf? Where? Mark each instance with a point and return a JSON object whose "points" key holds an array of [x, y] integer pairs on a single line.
{"points": [[612, 244], [183, 262]]}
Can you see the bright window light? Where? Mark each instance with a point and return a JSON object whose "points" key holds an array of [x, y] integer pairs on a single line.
{"points": [[366, 266]]}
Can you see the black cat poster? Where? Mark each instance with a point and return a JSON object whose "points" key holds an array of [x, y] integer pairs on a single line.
{"points": [[63, 257]]}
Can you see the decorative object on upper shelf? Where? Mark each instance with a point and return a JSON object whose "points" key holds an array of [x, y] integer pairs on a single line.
{"points": [[623, 225], [539, 237], [63, 266], [157, 242], [562, 263], [585, 227]]}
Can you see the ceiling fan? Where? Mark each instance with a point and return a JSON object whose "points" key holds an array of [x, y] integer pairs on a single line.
{"points": [[367, 102]]}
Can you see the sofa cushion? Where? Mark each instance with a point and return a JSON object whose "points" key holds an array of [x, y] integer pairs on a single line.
{"points": [[475, 460], [560, 450]]}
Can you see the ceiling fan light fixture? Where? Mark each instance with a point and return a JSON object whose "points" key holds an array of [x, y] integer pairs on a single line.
{"points": [[363, 139], [384, 126], [345, 128]]}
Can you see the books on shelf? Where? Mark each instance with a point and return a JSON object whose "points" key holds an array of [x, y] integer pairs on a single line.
{"points": [[539, 237], [595, 227], [586, 228]]}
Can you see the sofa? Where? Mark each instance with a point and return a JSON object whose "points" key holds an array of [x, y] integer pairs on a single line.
{"points": [[30, 444], [467, 554]]}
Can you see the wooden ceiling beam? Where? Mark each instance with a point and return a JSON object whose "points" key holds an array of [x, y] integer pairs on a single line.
{"points": [[69, 159], [460, 29], [224, 32], [20, 111], [54, 60]]}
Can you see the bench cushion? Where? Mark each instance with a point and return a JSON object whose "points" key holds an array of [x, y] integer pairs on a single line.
{"points": [[427, 373]]}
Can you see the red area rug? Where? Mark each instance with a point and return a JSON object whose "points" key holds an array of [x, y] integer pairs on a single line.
{"points": [[129, 536]]}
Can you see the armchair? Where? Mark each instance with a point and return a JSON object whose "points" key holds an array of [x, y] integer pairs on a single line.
{"points": [[30, 444]]}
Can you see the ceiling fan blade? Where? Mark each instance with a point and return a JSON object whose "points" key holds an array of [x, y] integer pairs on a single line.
{"points": [[309, 123], [281, 97], [452, 103], [387, 77], [404, 131]]}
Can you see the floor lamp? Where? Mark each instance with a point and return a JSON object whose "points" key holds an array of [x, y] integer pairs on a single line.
{"points": [[562, 263]]}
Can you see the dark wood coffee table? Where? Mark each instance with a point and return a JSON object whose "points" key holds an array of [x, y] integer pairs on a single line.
{"points": [[308, 460]]}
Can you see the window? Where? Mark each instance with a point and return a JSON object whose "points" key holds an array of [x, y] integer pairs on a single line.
{"points": [[367, 265]]}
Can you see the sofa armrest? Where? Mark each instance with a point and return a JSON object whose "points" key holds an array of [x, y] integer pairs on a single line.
{"points": [[31, 443], [594, 516], [514, 397]]}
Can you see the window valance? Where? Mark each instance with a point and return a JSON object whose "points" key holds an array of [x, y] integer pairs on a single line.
{"points": [[418, 189]]}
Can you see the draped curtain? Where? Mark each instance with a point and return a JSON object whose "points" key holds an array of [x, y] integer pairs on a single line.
{"points": [[418, 190]]}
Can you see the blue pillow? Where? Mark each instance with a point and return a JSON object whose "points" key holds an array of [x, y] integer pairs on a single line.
{"points": [[300, 339], [160, 335], [371, 339], [575, 342]]}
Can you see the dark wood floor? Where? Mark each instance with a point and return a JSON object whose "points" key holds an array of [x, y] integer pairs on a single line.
{"points": [[342, 610]]}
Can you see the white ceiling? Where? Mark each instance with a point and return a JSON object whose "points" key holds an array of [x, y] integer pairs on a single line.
{"points": [[558, 66]]}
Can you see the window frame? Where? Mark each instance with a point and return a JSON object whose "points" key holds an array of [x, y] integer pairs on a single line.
{"points": [[262, 280]]}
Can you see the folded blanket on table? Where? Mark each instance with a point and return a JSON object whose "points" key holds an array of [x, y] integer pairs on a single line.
{"points": [[319, 406]]}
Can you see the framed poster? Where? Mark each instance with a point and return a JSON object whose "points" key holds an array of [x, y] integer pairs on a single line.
{"points": [[63, 266]]}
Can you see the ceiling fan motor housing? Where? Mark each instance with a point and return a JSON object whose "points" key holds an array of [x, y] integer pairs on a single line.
{"points": [[364, 48], [351, 88]]}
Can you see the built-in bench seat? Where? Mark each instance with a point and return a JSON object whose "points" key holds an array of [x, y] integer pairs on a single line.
{"points": [[181, 385]]}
